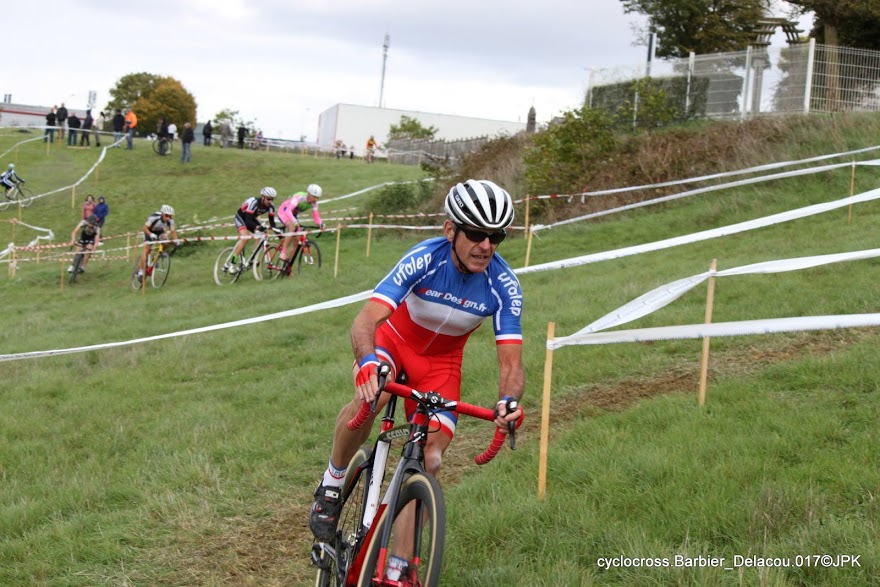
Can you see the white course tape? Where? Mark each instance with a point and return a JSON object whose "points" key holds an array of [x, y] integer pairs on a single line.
{"points": [[666, 294], [696, 191], [704, 235], [769, 326], [287, 313]]}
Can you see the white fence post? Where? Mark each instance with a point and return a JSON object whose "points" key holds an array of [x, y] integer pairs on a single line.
{"points": [[745, 87], [808, 85]]}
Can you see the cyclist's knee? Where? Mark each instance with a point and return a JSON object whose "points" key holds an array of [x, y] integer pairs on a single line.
{"points": [[433, 459]]}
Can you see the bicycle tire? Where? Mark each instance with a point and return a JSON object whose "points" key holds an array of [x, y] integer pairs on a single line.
{"points": [[25, 197], [424, 491], [221, 275], [135, 282], [4, 203], [268, 263], [161, 269], [309, 257], [346, 544], [77, 263]]}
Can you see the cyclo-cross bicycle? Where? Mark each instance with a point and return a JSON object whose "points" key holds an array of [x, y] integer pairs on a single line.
{"points": [[359, 553], [20, 195], [79, 259], [306, 256], [157, 268], [162, 146], [224, 275]]}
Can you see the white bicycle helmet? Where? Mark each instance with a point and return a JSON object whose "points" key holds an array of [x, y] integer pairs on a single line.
{"points": [[166, 209], [314, 190], [12, 166], [480, 204], [268, 192]]}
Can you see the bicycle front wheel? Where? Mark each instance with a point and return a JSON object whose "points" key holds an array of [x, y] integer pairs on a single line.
{"points": [[161, 269], [77, 265], [309, 257], [418, 526], [268, 263], [225, 271], [25, 196], [349, 530]]}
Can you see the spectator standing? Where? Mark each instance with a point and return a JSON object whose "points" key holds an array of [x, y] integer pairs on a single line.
{"points": [[242, 131], [225, 133], [102, 210], [73, 124], [99, 127], [131, 122], [118, 126], [62, 120], [86, 127], [162, 133], [186, 140], [206, 133], [172, 131], [51, 119], [88, 206]]}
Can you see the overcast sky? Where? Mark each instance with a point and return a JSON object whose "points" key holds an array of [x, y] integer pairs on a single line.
{"points": [[283, 62]]}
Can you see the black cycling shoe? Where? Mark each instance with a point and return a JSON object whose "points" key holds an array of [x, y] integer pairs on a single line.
{"points": [[325, 513]]}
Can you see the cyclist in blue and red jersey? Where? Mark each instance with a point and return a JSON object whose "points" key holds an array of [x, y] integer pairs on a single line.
{"points": [[246, 219], [419, 318]]}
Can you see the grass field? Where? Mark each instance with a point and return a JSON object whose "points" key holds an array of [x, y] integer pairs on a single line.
{"points": [[191, 461]]}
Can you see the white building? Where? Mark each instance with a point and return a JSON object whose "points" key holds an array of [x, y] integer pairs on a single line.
{"points": [[353, 125]]}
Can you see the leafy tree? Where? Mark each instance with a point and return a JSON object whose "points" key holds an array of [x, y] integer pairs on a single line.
{"points": [[853, 23], [235, 120], [701, 26], [411, 128], [561, 156], [153, 97]]}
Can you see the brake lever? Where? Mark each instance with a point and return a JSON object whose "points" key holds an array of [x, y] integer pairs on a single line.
{"points": [[382, 371]]}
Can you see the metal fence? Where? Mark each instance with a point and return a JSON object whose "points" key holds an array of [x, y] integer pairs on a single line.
{"points": [[416, 151], [776, 80]]}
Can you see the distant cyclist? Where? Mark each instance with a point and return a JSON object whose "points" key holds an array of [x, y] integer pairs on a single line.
{"points": [[9, 180], [289, 211], [89, 237], [246, 220], [155, 226]]}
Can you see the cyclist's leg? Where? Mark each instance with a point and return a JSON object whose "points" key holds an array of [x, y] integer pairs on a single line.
{"points": [[240, 244], [142, 261], [88, 249]]}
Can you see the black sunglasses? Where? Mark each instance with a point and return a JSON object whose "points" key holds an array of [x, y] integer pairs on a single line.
{"points": [[478, 236]]}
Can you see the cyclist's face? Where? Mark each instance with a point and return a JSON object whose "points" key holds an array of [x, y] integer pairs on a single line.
{"points": [[166, 217], [474, 255]]}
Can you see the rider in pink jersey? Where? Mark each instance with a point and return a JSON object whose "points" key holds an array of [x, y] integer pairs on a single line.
{"points": [[289, 211], [419, 318]]}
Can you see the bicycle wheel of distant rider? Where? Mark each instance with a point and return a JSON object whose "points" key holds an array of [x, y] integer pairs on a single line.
{"points": [[422, 492], [161, 269], [350, 515], [77, 264], [268, 264], [25, 196], [309, 257], [135, 282], [223, 276]]}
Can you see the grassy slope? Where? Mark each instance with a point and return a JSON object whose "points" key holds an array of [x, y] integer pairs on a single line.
{"points": [[191, 461]]}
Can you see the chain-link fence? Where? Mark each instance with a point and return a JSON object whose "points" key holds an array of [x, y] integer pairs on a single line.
{"points": [[795, 79]]}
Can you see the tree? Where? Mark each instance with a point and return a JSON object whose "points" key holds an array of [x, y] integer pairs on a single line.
{"points": [[851, 23], [699, 26], [411, 128], [153, 97], [235, 120]]}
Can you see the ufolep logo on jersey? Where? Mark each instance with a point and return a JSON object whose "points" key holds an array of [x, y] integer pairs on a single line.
{"points": [[448, 297], [410, 267], [513, 291]]}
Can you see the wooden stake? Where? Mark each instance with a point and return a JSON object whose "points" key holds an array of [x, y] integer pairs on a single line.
{"points": [[528, 199], [73, 198], [62, 274], [704, 359], [127, 247], [528, 249], [545, 416], [336, 260], [369, 233]]}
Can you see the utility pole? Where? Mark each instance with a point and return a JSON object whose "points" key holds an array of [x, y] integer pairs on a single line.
{"points": [[385, 46]]}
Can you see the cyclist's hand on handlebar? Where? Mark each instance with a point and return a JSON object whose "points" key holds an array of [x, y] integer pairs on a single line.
{"points": [[507, 412], [153, 236], [366, 380]]}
